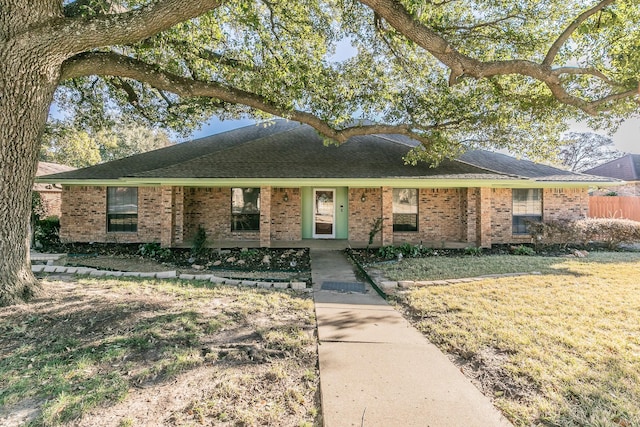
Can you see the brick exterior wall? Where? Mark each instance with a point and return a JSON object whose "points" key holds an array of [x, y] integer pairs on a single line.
{"points": [[211, 208], [171, 215], [557, 203], [565, 204], [502, 217], [286, 216], [440, 215], [363, 215], [84, 216]]}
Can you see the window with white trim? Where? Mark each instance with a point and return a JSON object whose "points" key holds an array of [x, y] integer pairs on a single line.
{"points": [[245, 209], [527, 207], [122, 209], [405, 209]]}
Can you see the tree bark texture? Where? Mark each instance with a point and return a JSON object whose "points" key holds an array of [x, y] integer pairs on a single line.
{"points": [[35, 40], [28, 79]]}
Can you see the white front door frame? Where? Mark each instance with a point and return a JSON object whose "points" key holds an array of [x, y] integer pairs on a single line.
{"points": [[324, 213]]}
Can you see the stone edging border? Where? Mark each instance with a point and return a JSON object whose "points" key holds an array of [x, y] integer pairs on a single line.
{"points": [[405, 284], [93, 272]]}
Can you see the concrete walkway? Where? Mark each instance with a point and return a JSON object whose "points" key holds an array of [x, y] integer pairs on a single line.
{"points": [[377, 370]]}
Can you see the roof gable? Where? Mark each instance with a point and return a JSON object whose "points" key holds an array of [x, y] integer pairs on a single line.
{"points": [[626, 168]]}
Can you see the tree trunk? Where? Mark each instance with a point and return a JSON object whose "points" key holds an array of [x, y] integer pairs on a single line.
{"points": [[28, 78]]}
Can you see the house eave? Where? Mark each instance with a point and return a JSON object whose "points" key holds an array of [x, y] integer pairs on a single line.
{"points": [[416, 182]]}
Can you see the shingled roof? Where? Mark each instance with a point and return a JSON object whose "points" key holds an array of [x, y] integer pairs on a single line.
{"points": [[502, 163], [290, 150], [626, 168], [47, 168]]}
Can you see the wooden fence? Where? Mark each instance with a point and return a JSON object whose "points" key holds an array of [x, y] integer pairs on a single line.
{"points": [[614, 207]]}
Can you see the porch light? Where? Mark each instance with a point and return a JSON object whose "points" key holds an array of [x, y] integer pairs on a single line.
{"points": [[285, 198], [363, 198]]}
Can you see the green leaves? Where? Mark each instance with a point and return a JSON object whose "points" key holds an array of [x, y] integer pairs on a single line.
{"points": [[286, 54]]}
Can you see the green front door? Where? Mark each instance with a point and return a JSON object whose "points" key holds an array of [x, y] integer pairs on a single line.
{"points": [[324, 213]]}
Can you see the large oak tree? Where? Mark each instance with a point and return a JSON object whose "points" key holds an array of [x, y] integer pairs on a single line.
{"points": [[451, 73]]}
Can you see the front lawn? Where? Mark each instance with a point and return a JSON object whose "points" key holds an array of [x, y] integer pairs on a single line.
{"points": [[98, 352], [454, 267], [557, 349]]}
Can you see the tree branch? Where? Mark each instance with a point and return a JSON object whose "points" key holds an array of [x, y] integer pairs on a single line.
{"points": [[582, 71], [122, 66], [76, 35], [482, 24], [464, 66], [560, 41]]}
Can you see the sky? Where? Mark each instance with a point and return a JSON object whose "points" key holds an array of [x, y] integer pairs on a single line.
{"points": [[626, 139]]}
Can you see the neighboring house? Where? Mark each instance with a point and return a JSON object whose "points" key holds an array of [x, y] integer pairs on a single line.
{"points": [[279, 185], [626, 168], [50, 193]]}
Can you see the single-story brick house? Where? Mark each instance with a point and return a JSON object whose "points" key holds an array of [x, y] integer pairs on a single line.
{"points": [[279, 185], [625, 168], [50, 193]]}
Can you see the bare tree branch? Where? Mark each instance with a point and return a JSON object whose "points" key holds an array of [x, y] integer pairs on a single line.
{"points": [[584, 71], [560, 41], [483, 24], [123, 66]]}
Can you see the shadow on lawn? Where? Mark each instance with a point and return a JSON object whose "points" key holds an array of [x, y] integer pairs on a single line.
{"points": [[87, 346]]}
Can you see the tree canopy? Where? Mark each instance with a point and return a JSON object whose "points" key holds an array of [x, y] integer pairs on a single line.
{"points": [[71, 145], [453, 74]]}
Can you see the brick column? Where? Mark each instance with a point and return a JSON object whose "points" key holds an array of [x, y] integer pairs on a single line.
{"points": [[166, 217], [387, 216], [265, 217], [178, 215], [483, 203], [471, 204]]}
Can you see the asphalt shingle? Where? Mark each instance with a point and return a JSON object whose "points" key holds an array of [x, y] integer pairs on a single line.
{"points": [[285, 149]]}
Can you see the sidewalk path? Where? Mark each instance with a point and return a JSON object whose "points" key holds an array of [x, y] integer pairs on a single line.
{"points": [[377, 370]]}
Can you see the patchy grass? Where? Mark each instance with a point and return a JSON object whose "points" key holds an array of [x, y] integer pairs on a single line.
{"points": [[562, 348], [92, 352], [437, 268]]}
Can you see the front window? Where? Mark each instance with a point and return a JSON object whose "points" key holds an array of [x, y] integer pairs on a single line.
{"points": [[405, 209], [527, 207], [245, 209], [122, 209]]}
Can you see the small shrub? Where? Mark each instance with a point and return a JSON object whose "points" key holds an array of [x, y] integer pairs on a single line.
{"points": [[248, 254], [610, 231], [523, 250], [47, 232], [154, 251], [473, 251], [199, 241], [562, 232], [388, 252]]}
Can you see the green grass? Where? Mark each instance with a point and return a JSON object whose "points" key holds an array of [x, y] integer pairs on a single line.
{"points": [[90, 343], [562, 348], [437, 268]]}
